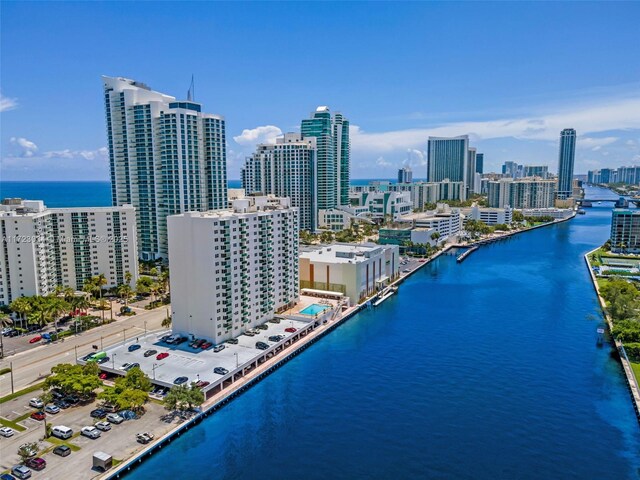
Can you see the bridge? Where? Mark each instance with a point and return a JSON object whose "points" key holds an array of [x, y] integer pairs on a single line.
{"points": [[622, 201]]}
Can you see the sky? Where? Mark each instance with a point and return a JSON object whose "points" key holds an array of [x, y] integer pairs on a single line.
{"points": [[511, 75]]}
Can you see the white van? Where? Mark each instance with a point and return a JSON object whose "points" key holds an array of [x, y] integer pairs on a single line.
{"points": [[61, 432]]}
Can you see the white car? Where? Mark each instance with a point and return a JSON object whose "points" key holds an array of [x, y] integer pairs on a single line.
{"points": [[91, 432], [104, 426], [6, 432], [36, 403], [114, 418]]}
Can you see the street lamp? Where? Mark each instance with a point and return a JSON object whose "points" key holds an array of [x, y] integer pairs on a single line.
{"points": [[145, 328], [153, 368], [113, 361], [101, 348], [236, 354]]}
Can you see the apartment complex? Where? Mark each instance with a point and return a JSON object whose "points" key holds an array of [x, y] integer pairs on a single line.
{"points": [[521, 193], [165, 157], [381, 205], [625, 231], [490, 216], [444, 220], [541, 171], [566, 158], [628, 175], [405, 175], [333, 152], [43, 248], [232, 269], [286, 169], [356, 270]]}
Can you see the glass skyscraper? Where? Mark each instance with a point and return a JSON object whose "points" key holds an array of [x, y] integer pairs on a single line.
{"points": [[333, 151], [165, 157], [448, 158], [566, 158]]}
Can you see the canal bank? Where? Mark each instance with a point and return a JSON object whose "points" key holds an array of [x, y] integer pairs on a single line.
{"points": [[632, 381]]}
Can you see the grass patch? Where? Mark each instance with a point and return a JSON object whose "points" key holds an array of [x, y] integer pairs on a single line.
{"points": [[58, 441], [12, 396], [115, 462], [4, 370], [8, 423], [636, 370]]}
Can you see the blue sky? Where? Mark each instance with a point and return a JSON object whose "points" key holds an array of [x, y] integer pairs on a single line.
{"points": [[509, 74]]}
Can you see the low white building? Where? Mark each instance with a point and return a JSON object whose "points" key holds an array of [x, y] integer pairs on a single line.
{"points": [[557, 213], [488, 215], [383, 205], [444, 220], [46, 247], [233, 269], [356, 270]]}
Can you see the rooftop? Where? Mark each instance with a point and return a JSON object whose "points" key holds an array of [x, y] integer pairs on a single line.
{"points": [[342, 252]]}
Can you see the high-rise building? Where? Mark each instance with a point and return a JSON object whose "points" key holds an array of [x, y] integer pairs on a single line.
{"points": [[521, 193], [165, 157], [333, 151], [471, 171], [405, 175], [43, 248], [541, 171], [233, 269], [286, 169], [625, 231], [566, 158], [513, 169], [448, 158], [480, 163]]}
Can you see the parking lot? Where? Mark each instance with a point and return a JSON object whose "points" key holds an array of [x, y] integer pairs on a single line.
{"points": [[120, 441], [194, 363]]}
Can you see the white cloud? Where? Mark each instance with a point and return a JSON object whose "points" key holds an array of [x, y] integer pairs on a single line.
{"points": [[7, 103], [254, 136], [619, 114], [381, 162], [26, 148]]}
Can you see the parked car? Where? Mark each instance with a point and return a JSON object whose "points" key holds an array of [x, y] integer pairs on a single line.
{"points": [[181, 340], [206, 345], [145, 437], [219, 348], [103, 360], [103, 376], [12, 333], [262, 345], [5, 330], [274, 320], [275, 338], [180, 380], [103, 426], [164, 338], [264, 326], [148, 353], [131, 365], [249, 333], [109, 408], [134, 347], [35, 339], [220, 371], [29, 448], [61, 431], [114, 418], [57, 393], [7, 476], [72, 400], [7, 432], [98, 413], [20, 471], [38, 415], [53, 409], [36, 463], [201, 384], [290, 330], [62, 450], [233, 341], [162, 356], [62, 404], [91, 432], [36, 403]]}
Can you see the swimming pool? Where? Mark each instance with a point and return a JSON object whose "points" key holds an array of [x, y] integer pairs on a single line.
{"points": [[313, 309]]}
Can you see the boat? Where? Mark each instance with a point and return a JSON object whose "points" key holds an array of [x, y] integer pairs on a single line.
{"points": [[581, 212]]}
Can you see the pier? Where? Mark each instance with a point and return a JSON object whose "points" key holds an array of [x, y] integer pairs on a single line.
{"points": [[460, 258]]}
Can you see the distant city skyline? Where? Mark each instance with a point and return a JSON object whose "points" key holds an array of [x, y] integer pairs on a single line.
{"points": [[512, 108]]}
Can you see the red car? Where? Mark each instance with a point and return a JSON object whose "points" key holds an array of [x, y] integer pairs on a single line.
{"points": [[290, 330], [35, 339], [103, 376], [201, 384], [206, 345], [36, 463], [162, 355], [38, 415]]}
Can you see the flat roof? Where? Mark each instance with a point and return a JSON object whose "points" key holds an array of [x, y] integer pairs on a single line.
{"points": [[328, 253]]}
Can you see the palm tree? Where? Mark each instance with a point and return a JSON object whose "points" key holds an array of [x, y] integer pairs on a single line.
{"points": [[22, 306]]}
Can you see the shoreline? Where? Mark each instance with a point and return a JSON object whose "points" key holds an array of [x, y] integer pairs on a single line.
{"points": [[630, 378], [242, 385]]}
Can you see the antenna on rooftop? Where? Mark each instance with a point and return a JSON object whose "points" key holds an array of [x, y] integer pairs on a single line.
{"points": [[191, 93]]}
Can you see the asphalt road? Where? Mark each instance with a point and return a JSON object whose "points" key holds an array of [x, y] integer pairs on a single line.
{"points": [[32, 365]]}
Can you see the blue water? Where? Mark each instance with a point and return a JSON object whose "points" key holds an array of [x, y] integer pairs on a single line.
{"points": [[79, 194], [313, 309], [487, 369]]}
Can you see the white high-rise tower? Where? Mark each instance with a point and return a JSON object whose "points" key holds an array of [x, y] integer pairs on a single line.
{"points": [[165, 157]]}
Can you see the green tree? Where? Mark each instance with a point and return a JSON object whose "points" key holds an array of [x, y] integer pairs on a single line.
{"points": [[27, 450], [128, 392], [517, 216], [74, 378], [183, 397]]}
